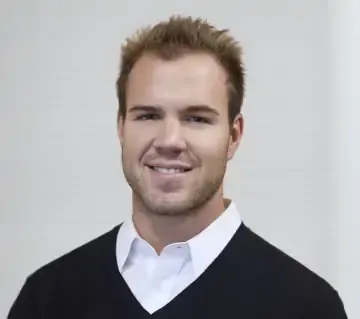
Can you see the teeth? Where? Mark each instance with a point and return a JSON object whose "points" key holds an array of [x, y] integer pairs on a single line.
{"points": [[169, 170]]}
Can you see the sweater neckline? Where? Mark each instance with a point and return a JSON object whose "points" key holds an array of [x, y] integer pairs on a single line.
{"points": [[191, 296]]}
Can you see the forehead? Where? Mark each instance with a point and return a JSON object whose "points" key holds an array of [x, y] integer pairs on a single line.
{"points": [[195, 78]]}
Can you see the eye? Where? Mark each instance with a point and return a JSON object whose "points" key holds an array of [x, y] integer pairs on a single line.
{"points": [[145, 117], [198, 119]]}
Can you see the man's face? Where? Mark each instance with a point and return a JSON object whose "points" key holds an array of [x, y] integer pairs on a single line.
{"points": [[176, 138]]}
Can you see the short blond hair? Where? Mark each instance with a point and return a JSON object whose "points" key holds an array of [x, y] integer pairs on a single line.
{"points": [[180, 35]]}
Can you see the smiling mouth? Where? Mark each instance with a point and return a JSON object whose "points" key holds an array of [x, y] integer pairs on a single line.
{"points": [[168, 170]]}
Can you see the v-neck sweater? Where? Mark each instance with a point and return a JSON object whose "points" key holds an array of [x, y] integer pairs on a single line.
{"points": [[249, 279]]}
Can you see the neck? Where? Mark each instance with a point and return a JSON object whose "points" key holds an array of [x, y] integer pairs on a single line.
{"points": [[162, 230]]}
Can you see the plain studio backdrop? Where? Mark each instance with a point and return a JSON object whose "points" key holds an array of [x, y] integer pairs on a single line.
{"points": [[61, 180]]}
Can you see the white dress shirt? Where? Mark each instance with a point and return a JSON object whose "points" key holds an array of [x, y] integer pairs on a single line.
{"points": [[156, 279]]}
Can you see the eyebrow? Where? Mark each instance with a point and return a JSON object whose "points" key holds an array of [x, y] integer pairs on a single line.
{"points": [[144, 108], [200, 108]]}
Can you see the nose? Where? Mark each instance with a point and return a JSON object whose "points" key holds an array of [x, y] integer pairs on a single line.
{"points": [[169, 138]]}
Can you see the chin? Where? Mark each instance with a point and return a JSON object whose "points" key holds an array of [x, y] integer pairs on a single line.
{"points": [[169, 206]]}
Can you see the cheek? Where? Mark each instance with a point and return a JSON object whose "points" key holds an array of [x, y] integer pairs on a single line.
{"points": [[210, 147], [134, 145], [139, 132]]}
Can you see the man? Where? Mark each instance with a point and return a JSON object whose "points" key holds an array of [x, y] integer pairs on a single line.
{"points": [[185, 253]]}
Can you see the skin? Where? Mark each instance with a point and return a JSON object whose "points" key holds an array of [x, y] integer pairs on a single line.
{"points": [[177, 116]]}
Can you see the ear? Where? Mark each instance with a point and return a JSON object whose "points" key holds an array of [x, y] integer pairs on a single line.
{"points": [[236, 132], [120, 128]]}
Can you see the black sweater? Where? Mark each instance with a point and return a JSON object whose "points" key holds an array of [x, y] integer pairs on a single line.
{"points": [[249, 279]]}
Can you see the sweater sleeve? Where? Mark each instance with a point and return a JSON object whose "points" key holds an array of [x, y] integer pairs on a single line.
{"points": [[331, 308], [25, 304]]}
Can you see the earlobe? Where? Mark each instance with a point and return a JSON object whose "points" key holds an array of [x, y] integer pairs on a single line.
{"points": [[235, 135], [232, 149]]}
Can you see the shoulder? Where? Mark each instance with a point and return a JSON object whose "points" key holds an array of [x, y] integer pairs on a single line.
{"points": [[82, 255], [285, 278], [77, 266], [271, 260], [80, 272]]}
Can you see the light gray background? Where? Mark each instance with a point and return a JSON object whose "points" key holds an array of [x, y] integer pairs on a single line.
{"points": [[61, 177]]}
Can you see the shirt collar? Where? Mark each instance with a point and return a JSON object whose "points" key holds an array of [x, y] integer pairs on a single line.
{"points": [[207, 245], [126, 236], [204, 247]]}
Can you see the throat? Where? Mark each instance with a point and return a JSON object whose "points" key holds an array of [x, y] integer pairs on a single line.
{"points": [[162, 230]]}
